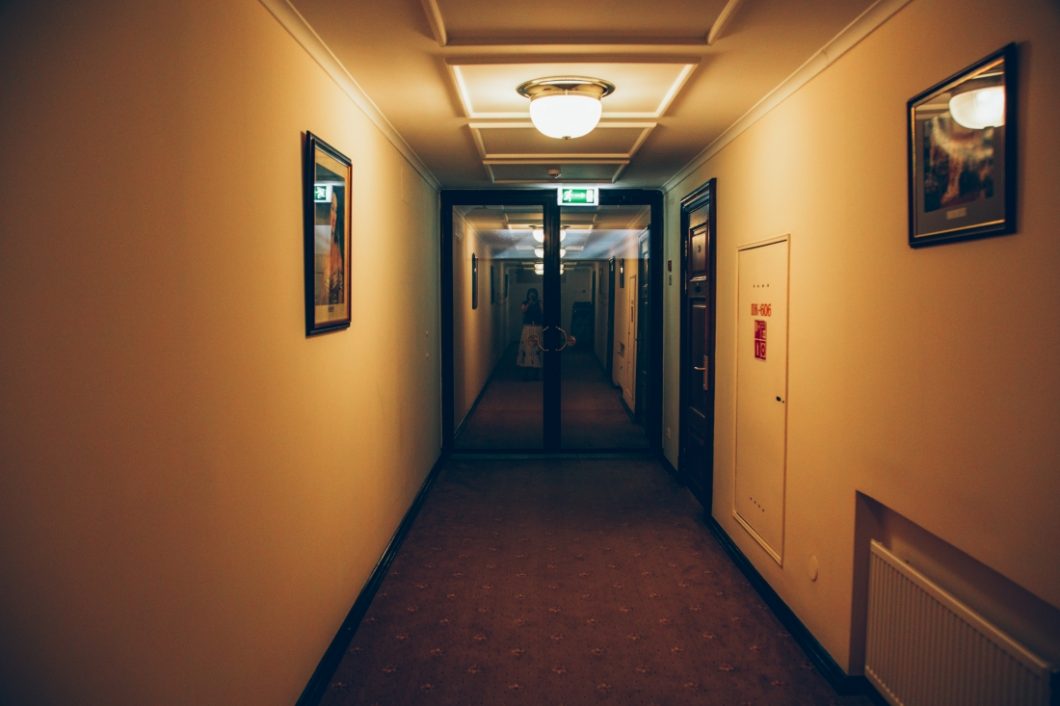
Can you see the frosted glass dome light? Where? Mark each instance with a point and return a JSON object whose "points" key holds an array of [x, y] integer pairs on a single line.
{"points": [[565, 116], [979, 109], [565, 107]]}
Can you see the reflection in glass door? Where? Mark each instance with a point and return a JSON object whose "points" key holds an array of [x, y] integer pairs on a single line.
{"points": [[552, 324], [605, 297], [498, 324]]}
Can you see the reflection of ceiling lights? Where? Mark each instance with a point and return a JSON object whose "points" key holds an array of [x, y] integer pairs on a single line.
{"points": [[980, 108], [540, 252], [565, 107], [539, 269], [539, 236]]}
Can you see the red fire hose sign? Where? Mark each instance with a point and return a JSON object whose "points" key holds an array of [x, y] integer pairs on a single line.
{"points": [[760, 339]]}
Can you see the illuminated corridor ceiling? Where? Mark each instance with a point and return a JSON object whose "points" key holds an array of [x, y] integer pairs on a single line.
{"points": [[444, 74]]}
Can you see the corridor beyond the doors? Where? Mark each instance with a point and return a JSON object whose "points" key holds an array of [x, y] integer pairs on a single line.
{"points": [[572, 581], [507, 415]]}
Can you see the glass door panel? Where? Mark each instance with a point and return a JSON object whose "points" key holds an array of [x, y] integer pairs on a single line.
{"points": [[605, 310], [498, 358]]}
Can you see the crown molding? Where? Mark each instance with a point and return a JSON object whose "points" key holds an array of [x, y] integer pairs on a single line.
{"points": [[862, 26], [718, 28], [436, 21], [296, 25]]}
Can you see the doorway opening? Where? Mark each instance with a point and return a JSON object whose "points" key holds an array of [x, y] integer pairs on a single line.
{"points": [[561, 349]]}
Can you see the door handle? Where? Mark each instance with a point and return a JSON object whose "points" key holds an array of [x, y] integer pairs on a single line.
{"points": [[706, 382], [566, 340]]}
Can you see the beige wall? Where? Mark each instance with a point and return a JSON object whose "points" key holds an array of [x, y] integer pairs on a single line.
{"points": [[925, 379], [192, 492], [477, 333]]}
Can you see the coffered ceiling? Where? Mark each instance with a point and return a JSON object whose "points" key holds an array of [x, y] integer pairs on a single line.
{"points": [[443, 73]]}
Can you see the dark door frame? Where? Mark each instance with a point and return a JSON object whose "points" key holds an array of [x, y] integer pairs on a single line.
{"points": [[610, 320], [705, 195], [546, 199]]}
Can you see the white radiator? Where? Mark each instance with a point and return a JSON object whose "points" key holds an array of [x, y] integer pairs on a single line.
{"points": [[926, 648]]}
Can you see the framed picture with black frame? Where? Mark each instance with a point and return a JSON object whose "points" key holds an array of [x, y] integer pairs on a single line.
{"points": [[326, 195], [962, 154]]}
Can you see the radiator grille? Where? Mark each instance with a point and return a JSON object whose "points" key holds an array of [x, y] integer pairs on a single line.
{"points": [[926, 648]]}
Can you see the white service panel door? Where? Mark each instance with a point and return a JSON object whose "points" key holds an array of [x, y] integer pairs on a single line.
{"points": [[761, 392]]}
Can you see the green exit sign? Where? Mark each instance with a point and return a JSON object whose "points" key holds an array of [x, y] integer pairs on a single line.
{"points": [[578, 196], [321, 193]]}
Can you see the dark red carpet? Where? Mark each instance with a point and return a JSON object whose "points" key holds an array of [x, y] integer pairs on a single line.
{"points": [[509, 413], [568, 582]]}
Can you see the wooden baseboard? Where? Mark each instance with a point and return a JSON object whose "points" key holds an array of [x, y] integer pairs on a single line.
{"points": [[318, 683]]}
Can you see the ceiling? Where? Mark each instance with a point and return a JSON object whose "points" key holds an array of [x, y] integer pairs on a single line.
{"points": [[507, 232], [444, 74]]}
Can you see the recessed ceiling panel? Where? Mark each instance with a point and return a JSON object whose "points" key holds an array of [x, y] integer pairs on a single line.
{"points": [[523, 140], [561, 21], [526, 173], [642, 89], [452, 55]]}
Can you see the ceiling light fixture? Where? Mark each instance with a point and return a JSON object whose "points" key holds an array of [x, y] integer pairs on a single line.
{"points": [[565, 107]]}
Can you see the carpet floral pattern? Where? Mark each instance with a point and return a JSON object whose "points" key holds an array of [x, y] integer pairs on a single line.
{"points": [[568, 582]]}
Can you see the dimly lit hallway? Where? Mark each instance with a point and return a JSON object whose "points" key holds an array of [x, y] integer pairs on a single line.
{"points": [[194, 493], [568, 582]]}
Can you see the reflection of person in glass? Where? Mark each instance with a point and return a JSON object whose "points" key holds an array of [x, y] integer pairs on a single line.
{"points": [[529, 355], [334, 276]]}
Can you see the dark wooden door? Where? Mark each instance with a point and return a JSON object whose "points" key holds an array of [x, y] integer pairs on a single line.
{"points": [[697, 342]]}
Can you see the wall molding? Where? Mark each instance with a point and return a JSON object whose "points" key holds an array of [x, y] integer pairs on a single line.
{"points": [[296, 25], [849, 37]]}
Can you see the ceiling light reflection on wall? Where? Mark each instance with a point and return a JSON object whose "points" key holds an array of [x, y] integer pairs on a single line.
{"points": [[565, 107], [980, 108]]}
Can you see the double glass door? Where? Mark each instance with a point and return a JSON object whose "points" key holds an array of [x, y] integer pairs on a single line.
{"points": [[552, 321]]}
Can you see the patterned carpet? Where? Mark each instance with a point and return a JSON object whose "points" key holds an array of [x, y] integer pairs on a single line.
{"points": [[568, 582]]}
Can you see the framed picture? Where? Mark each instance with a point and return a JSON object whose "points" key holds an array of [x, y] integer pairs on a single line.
{"points": [[327, 191], [962, 154]]}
